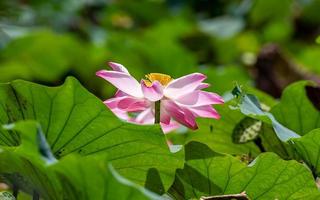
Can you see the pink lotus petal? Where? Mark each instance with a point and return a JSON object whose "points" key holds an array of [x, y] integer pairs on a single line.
{"points": [[121, 114], [127, 103], [118, 67], [119, 93], [154, 92], [145, 117], [184, 85], [111, 104], [180, 114], [190, 119], [203, 86], [167, 128], [164, 116], [205, 111], [122, 81], [181, 100], [132, 105], [200, 98]]}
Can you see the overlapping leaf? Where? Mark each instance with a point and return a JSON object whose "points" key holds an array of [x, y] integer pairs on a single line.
{"points": [[75, 121], [295, 115], [73, 177], [249, 105], [308, 147], [218, 133], [295, 109], [298, 111], [268, 177]]}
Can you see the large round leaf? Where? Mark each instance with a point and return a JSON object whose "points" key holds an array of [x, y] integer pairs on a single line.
{"points": [[296, 110], [218, 133], [30, 167], [207, 173], [75, 121]]}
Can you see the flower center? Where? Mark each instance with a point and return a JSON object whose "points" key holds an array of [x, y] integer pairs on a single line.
{"points": [[164, 79]]}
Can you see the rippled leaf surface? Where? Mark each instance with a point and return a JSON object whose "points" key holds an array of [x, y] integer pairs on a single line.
{"points": [[75, 121], [73, 177], [207, 173], [295, 109]]}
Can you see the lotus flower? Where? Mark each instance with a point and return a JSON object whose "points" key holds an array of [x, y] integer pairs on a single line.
{"points": [[160, 98]]}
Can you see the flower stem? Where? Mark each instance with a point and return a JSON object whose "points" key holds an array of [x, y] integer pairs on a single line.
{"points": [[157, 112]]}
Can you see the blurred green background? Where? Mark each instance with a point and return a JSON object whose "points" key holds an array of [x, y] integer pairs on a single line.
{"points": [[262, 43]]}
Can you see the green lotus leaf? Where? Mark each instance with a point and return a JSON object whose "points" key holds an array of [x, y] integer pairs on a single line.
{"points": [[75, 121], [207, 173]]}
